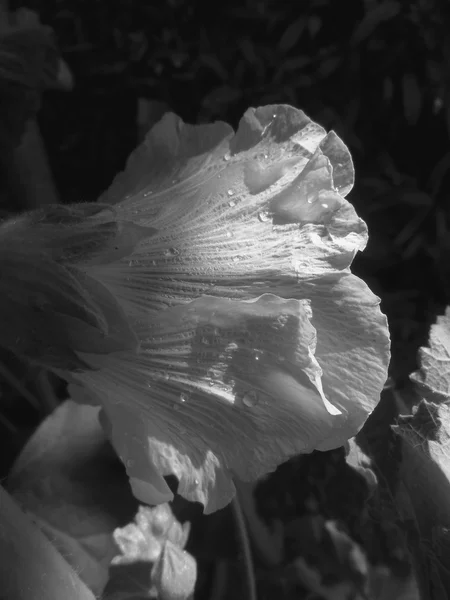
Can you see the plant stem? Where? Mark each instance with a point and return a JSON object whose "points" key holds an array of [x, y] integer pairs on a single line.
{"points": [[245, 544]]}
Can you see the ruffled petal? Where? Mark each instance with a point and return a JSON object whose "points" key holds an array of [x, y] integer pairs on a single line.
{"points": [[221, 388], [353, 348], [236, 216]]}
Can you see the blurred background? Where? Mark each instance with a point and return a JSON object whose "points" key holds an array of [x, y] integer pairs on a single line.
{"points": [[375, 71]]}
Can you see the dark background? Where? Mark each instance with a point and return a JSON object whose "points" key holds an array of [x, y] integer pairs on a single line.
{"points": [[377, 72]]}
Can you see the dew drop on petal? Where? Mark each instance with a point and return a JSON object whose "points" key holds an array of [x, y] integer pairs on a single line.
{"points": [[250, 398], [325, 205], [230, 192], [130, 463], [235, 259], [182, 399], [231, 203], [264, 216], [227, 157], [310, 200], [196, 482], [229, 234], [171, 252]]}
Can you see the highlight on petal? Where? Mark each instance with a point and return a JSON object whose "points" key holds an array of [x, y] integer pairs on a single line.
{"points": [[255, 342]]}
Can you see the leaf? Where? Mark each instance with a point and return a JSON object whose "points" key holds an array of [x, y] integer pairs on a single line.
{"points": [[314, 25], [29, 63], [74, 488], [433, 376], [412, 98], [223, 94], [379, 14], [292, 34], [425, 464], [328, 66], [329, 562], [390, 587], [439, 172], [425, 474], [30, 567]]}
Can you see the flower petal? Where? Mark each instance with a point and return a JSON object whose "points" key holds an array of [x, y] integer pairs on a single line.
{"points": [[235, 216], [353, 348], [221, 388]]}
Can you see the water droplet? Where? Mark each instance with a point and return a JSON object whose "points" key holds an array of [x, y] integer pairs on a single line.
{"points": [[325, 205], [310, 200], [130, 463], [231, 203], [211, 383], [264, 216], [182, 399], [165, 376], [196, 482], [227, 157], [230, 192], [148, 193], [171, 252], [266, 156], [250, 398], [229, 234], [235, 259]]}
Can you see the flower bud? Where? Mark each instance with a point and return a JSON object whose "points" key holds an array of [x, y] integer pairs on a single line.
{"points": [[174, 573]]}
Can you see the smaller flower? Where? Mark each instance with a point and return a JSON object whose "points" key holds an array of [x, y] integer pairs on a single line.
{"points": [[174, 573], [144, 540]]}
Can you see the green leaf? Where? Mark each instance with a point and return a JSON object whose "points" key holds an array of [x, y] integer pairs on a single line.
{"points": [[69, 480], [380, 13], [30, 567], [412, 98], [292, 34]]}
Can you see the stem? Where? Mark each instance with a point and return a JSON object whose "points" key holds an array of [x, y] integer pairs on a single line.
{"points": [[268, 544], [245, 544]]}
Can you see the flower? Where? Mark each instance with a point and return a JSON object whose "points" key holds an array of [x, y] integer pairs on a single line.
{"points": [[214, 316]]}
